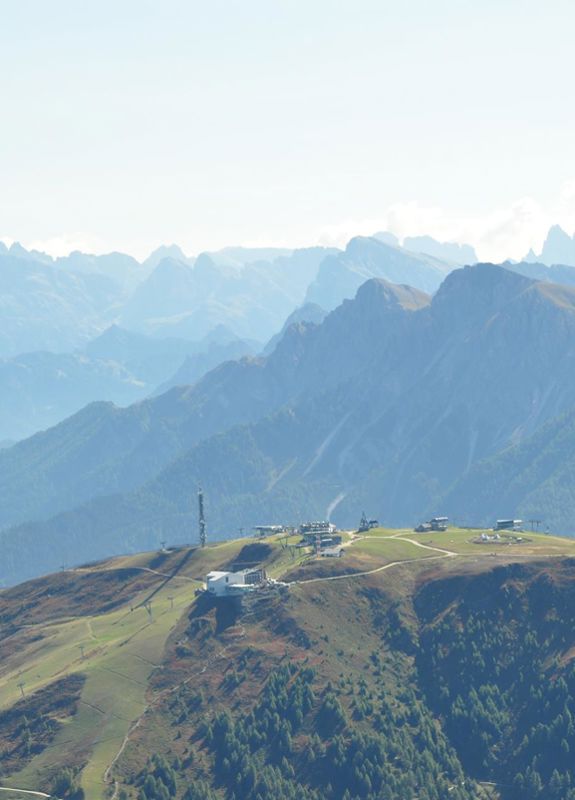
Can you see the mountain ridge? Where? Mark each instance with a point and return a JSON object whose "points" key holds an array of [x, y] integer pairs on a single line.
{"points": [[385, 405]]}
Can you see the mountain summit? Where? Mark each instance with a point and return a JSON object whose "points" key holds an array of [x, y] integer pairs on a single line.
{"points": [[340, 275], [558, 248]]}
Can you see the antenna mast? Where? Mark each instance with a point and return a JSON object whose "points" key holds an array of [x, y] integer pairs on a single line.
{"points": [[202, 519]]}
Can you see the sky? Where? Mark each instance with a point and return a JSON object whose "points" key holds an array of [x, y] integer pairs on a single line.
{"points": [[126, 124]]}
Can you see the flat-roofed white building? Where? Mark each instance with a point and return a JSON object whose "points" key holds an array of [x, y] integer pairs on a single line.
{"points": [[219, 583]]}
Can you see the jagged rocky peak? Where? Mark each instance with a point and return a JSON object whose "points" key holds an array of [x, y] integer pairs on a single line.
{"points": [[558, 248], [165, 251], [18, 251]]}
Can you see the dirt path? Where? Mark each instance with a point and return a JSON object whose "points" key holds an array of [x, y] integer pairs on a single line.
{"points": [[400, 538], [424, 546], [140, 569], [369, 571], [27, 791], [443, 554]]}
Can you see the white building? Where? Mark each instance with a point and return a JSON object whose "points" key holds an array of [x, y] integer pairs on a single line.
{"points": [[221, 584], [317, 528], [268, 530]]}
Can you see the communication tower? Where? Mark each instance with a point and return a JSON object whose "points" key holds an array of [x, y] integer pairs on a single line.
{"points": [[202, 519]]}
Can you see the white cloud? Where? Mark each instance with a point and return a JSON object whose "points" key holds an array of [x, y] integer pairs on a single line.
{"points": [[564, 211], [506, 232], [340, 234], [511, 232], [65, 243]]}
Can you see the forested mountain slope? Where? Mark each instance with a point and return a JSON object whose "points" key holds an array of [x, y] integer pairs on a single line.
{"points": [[535, 478], [398, 671]]}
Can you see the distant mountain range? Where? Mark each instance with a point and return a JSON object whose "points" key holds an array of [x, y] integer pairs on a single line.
{"points": [[198, 364], [53, 311], [40, 389], [341, 274], [556, 273], [44, 307], [397, 403], [252, 301], [60, 304], [399, 384], [449, 252]]}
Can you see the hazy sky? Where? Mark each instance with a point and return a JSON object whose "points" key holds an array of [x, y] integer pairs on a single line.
{"points": [[129, 123]]}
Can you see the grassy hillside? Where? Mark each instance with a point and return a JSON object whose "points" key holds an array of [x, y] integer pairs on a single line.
{"points": [[120, 674]]}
